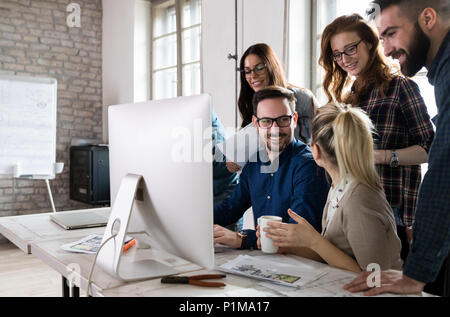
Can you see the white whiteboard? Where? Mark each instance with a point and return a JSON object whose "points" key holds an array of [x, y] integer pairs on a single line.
{"points": [[28, 125]]}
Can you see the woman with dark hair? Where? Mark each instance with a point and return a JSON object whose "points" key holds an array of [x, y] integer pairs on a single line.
{"points": [[351, 58], [259, 68]]}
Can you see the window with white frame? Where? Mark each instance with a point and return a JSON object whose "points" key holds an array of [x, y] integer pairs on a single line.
{"points": [[176, 48]]}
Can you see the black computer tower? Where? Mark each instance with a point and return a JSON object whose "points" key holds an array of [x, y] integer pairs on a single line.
{"points": [[89, 174]]}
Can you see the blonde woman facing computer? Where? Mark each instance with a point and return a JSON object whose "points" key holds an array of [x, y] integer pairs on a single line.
{"points": [[358, 227]]}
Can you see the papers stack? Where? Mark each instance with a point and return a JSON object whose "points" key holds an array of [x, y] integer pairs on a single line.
{"points": [[89, 244]]}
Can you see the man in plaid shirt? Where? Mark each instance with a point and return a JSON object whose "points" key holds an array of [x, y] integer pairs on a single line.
{"points": [[417, 33]]}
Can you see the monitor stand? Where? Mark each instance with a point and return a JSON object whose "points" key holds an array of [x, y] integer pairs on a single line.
{"points": [[110, 256]]}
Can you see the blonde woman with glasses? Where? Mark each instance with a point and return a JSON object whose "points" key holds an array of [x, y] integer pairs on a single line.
{"points": [[358, 227]]}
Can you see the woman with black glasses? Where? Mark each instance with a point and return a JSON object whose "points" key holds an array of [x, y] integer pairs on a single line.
{"points": [[259, 68], [351, 58]]}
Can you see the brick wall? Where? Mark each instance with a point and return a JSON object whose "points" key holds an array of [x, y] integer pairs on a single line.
{"points": [[36, 41]]}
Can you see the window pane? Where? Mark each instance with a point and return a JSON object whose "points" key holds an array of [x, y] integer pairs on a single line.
{"points": [[427, 92], [165, 83], [191, 79], [191, 13], [345, 7], [166, 48], [326, 12], [164, 19], [191, 45], [165, 52]]}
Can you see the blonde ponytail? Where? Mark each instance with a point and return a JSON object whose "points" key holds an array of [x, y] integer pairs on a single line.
{"points": [[344, 133], [353, 145]]}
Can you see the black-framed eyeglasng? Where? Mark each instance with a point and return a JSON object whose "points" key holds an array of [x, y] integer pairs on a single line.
{"points": [[282, 122], [349, 51], [258, 70]]}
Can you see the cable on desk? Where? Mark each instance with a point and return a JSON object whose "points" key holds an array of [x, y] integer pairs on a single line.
{"points": [[93, 264], [95, 258]]}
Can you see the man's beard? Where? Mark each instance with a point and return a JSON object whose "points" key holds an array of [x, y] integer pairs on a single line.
{"points": [[280, 145], [418, 52]]}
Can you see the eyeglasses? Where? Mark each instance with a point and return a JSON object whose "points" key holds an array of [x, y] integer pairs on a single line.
{"points": [[349, 51], [282, 122], [258, 70]]}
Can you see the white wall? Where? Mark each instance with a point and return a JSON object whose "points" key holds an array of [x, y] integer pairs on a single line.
{"points": [[117, 54], [218, 72], [299, 70], [117, 51], [258, 21], [142, 46], [262, 21], [126, 69]]}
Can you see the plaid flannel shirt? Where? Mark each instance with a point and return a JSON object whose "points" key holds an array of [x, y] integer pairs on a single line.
{"points": [[401, 120]]}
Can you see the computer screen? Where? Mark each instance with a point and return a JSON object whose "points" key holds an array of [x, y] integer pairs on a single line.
{"points": [[168, 143]]}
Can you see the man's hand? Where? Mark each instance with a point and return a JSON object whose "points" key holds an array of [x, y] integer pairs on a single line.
{"points": [[226, 237], [232, 167], [392, 281], [409, 234]]}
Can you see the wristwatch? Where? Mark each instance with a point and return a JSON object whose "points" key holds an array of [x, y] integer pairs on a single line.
{"points": [[241, 234], [394, 159]]}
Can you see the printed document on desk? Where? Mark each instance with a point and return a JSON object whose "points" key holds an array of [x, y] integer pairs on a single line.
{"points": [[89, 244], [330, 284], [277, 272]]}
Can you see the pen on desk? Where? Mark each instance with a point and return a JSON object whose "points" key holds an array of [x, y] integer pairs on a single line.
{"points": [[129, 245]]}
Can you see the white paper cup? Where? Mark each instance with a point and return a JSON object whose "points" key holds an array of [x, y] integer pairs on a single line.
{"points": [[267, 243]]}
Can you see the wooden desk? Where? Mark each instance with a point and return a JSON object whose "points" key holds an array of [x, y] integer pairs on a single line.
{"points": [[22, 230], [50, 252], [25, 229], [104, 284], [38, 235], [236, 286], [75, 267]]}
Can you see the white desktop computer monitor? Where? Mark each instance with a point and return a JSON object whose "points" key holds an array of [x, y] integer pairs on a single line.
{"points": [[158, 151]]}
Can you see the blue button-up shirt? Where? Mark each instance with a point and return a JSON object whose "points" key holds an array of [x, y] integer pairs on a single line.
{"points": [[431, 229], [298, 183], [223, 181]]}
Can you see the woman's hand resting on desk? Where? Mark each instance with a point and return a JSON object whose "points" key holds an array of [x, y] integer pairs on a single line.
{"points": [[232, 167], [226, 237]]}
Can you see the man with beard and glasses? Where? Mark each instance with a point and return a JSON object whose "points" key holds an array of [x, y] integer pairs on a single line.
{"points": [[416, 32], [283, 175]]}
